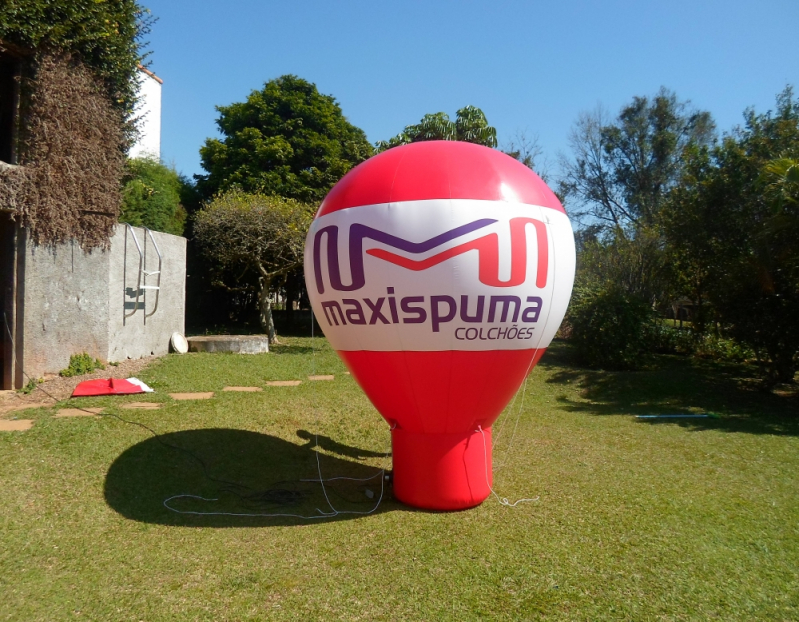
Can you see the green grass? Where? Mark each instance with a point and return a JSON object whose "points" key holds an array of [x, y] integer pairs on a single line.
{"points": [[692, 519]]}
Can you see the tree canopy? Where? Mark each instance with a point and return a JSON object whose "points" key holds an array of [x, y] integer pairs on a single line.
{"points": [[623, 168], [470, 126], [151, 196], [252, 241], [287, 140], [733, 223]]}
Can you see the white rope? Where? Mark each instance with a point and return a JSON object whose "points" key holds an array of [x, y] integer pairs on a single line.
{"points": [[277, 515], [518, 416], [321, 480], [502, 500]]}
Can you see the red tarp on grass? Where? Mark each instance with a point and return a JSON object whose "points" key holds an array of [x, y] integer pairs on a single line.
{"points": [[112, 386]]}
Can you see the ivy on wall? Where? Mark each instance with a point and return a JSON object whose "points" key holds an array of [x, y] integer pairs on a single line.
{"points": [[105, 35], [78, 85], [68, 184]]}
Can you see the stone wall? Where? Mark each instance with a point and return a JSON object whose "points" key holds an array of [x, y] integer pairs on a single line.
{"points": [[147, 330], [73, 301]]}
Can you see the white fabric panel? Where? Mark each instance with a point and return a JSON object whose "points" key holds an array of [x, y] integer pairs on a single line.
{"points": [[457, 276]]}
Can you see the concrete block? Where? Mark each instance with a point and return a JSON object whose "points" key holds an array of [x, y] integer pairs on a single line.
{"points": [[237, 344]]}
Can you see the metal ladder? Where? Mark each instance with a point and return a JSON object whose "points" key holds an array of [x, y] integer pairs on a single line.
{"points": [[141, 282]]}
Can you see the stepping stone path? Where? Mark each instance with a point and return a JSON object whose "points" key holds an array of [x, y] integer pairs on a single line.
{"points": [[284, 383], [321, 377], [78, 412], [192, 396], [243, 389], [15, 425], [143, 405], [10, 406]]}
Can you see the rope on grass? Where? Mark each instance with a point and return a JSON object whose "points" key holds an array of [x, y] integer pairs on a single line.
{"points": [[321, 480], [502, 500]]}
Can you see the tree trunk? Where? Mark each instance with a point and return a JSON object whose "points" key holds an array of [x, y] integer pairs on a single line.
{"points": [[291, 296], [265, 310]]}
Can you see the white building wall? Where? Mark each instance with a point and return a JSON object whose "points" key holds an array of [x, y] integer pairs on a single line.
{"points": [[149, 113]]}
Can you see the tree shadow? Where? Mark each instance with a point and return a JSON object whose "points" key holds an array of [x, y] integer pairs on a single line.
{"points": [[328, 444], [678, 385], [279, 348], [241, 472]]}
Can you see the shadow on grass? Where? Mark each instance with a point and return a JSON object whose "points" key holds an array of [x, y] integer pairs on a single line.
{"points": [[328, 444], [677, 385], [245, 473], [279, 348]]}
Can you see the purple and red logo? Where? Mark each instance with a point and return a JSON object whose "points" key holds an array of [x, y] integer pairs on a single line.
{"points": [[487, 247]]}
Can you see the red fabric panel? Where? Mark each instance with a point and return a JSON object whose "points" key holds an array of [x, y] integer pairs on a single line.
{"points": [[439, 169], [112, 386], [441, 471], [443, 392]]}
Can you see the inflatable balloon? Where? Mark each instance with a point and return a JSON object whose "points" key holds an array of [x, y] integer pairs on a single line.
{"points": [[440, 272]]}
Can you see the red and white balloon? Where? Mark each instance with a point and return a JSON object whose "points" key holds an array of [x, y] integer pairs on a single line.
{"points": [[440, 272]]}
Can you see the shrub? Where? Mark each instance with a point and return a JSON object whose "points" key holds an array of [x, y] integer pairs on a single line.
{"points": [[610, 328], [720, 348], [80, 364], [666, 339], [151, 197], [32, 384]]}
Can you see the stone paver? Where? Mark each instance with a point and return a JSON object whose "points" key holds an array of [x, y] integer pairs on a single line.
{"points": [[321, 377], [243, 389], [283, 383], [15, 425], [192, 396], [78, 412], [142, 405]]}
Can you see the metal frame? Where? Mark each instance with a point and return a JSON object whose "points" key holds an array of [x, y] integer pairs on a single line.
{"points": [[125, 272], [157, 287], [141, 288]]}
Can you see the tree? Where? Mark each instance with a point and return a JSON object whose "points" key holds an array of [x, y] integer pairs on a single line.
{"points": [[733, 222], [616, 183], [253, 241], [287, 140], [470, 126], [623, 169], [151, 196], [526, 149]]}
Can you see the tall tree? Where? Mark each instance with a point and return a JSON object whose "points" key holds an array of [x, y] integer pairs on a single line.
{"points": [[470, 126], [287, 140], [526, 148], [623, 168], [733, 224], [252, 241]]}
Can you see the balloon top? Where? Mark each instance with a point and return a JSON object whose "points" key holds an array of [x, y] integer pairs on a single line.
{"points": [[439, 169]]}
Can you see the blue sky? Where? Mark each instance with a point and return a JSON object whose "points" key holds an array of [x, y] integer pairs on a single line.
{"points": [[531, 66]]}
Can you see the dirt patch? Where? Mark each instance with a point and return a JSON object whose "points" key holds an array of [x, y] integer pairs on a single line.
{"points": [[55, 388]]}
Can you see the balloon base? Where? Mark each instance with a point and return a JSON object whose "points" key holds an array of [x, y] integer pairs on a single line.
{"points": [[442, 471]]}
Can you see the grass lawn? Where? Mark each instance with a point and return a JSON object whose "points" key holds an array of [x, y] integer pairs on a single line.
{"points": [[692, 519]]}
